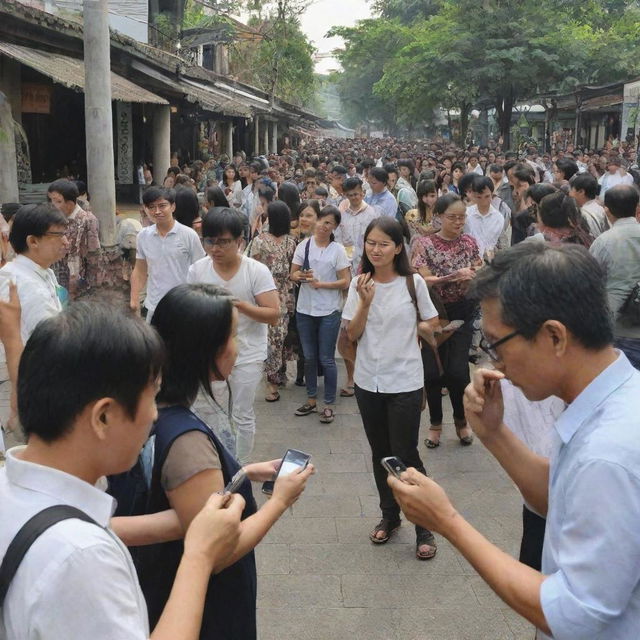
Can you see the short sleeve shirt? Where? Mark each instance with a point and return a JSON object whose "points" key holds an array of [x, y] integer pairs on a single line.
{"points": [[251, 279], [168, 259], [325, 262], [388, 359]]}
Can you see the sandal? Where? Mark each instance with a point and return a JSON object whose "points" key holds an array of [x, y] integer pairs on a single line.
{"points": [[327, 415], [426, 538], [348, 391], [389, 527], [465, 441], [306, 409], [272, 397], [432, 444]]}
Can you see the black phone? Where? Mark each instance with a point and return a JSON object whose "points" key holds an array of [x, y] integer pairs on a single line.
{"points": [[293, 460], [394, 466]]}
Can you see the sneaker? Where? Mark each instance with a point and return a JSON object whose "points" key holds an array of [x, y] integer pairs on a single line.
{"points": [[306, 409]]}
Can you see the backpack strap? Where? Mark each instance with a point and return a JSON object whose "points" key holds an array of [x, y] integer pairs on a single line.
{"points": [[28, 534], [305, 264]]}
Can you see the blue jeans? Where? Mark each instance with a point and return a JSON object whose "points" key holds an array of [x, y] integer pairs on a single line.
{"points": [[631, 348], [319, 335]]}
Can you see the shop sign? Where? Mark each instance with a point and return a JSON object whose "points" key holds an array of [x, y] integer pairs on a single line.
{"points": [[36, 98], [125, 143]]}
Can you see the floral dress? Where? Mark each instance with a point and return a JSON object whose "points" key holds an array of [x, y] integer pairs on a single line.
{"points": [[276, 254]]}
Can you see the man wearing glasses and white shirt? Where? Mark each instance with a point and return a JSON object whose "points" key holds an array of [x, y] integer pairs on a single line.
{"points": [[165, 251]]}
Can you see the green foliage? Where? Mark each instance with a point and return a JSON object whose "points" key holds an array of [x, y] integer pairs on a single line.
{"points": [[406, 11]]}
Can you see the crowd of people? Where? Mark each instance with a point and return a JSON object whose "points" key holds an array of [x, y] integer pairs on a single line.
{"points": [[501, 281]]}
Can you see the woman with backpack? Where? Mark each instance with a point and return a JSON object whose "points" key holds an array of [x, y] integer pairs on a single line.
{"points": [[388, 308], [198, 323]]}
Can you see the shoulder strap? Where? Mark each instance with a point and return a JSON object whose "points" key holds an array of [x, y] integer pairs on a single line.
{"points": [[411, 285], [28, 534], [305, 263]]}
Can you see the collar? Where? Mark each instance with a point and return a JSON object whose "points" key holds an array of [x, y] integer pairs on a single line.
{"points": [[592, 396], [474, 211], [30, 265], [76, 210], [60, 486], [625, 222], [173, 229], [363, 206]]}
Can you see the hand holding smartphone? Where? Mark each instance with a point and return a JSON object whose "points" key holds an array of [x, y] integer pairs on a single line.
{"points": [[292, 461], [394, 466]]}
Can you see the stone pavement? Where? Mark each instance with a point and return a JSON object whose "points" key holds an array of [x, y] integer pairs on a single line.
{"points": [[319, 577]]}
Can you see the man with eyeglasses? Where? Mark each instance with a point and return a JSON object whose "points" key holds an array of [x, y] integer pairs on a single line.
{"points": [[256, 299], [164, 252], [549, 331]]}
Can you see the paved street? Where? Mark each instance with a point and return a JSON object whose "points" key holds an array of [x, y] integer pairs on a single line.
{"points": [[319, 576]]}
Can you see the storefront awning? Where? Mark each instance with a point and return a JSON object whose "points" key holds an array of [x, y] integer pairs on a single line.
{"points": [[611, 102], [69, 72]]}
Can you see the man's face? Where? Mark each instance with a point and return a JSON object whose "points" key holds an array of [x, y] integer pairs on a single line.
{"points": [[483, 200], [160, 210], [376, 185], [531, 365], [355, 197], [393, 178], [50, 247], [221, 248], [336, 180], [612, 168], [310, 184], [62, 205], [496, 177], [473, 162], [519, 187]]}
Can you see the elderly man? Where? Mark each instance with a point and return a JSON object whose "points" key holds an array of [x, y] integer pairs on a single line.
{"points": [[549, 340]]}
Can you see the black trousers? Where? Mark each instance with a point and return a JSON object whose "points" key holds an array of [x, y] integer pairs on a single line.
{"points": [[533, 527], [454, 356], [391, 422]]}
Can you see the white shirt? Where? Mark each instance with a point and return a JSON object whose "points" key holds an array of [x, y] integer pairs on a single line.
{"points": [[37, 291], [251, 279], [610, 180], [485, 229], [168, 259], [595, 216], [388, 359], [78, 579], [350, 231], [477, 169], [325, 263]]}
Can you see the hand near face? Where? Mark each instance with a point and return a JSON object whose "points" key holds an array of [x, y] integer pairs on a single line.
{"points": [[366, 288], [483, 404]]}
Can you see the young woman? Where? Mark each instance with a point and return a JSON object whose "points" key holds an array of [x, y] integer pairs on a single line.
{"points": [[275, 249], [322, 268], [447, 260], [232, 186], [198, 326], [388, 308], [420, 220], [560, 220]]}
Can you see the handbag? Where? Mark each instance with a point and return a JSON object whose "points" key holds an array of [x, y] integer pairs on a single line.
{"points": [[630, 311]]}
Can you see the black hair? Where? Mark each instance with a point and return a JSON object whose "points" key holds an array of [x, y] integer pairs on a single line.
{"points": [[424, 187], [266, 192], [480, 183], [621, 200], [82, 187], [496, 168], [537, 281], [393, 229], [558, 211], [406, 162], [330, 210], [458, 165], [67, 189], [444, 202], [255, 167], [218, 220], [379, 174], [351, 183], [321, 192], [151, 194], [314, 204], [279, 218], [187, 206], [339, 169], [88, 352], [173, 170], [465, 183], [9, 209], [236, 175], [195, 323], [523, 173], [34, 220], [389, 167], [216, 198], [290, 195], [568, 167], [587, 183]]}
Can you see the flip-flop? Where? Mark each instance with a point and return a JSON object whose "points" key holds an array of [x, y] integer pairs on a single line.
{"points": [[272, 397], [347, 392]]}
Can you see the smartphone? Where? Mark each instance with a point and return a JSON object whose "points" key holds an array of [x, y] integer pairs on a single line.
{"points": [[394, 466], [234, 484], [293, 460]]}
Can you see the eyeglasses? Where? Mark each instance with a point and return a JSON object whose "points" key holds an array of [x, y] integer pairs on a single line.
{"points": [[461, 218], [490, 349], [161, 206], [223, 243]]}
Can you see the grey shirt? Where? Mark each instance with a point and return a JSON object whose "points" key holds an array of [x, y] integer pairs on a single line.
{"points": [[618, 251]]}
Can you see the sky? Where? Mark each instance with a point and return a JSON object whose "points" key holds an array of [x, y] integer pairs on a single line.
{"points": [[324, 14]]}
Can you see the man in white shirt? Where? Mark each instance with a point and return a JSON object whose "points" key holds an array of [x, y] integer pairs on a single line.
{"points": [[256, 299], [484, 222], [613, 177], [584, 190], [78, 579], [164, 252]]}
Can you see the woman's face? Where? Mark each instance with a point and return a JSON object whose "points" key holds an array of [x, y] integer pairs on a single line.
{"points": [[457, 173], [429, 199], [230, 174], [325, 227], [308, 219], [381, 249], [453, 219], [229, 352]]}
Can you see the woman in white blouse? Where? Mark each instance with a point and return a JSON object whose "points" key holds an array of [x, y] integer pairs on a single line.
{"points": [[232, 186], [388, 308]]}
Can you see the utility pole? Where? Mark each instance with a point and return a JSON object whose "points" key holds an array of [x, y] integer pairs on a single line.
{"points": [[98, 118]]}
